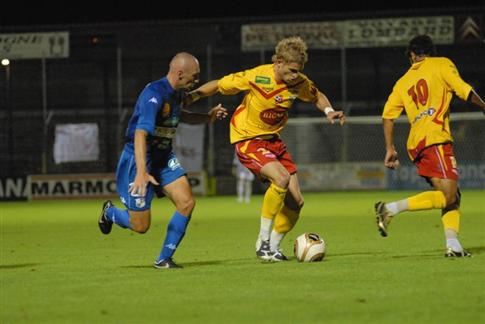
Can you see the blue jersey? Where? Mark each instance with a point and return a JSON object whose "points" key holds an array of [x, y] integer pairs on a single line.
{"points": [[157, 111]]}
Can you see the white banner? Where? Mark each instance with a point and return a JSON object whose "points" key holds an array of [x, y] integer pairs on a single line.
{"points": [[188, 144], [349, 33], [72, 186], [257, 37], [76, 186], [76, 143], [34, 45], [398, 31]]}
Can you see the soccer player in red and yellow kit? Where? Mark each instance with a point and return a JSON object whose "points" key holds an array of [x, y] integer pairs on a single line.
{"points": [[255, 131], [425, 92]]}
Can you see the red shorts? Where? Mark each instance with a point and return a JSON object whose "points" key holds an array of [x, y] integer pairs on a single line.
{"points": [[437, 161], [256, 153]]}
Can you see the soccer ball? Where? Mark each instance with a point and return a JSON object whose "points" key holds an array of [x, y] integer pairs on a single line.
{"points": [[309, 247]]}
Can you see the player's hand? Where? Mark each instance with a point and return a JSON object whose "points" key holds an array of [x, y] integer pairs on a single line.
{"points": [[333, 116], [391, 160], [139, 186], [218, 112]]}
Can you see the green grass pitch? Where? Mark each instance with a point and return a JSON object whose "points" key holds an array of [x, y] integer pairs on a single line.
{"points": [[56, 266]]}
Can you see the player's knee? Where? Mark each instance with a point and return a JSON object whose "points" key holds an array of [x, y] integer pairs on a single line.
{"points": [[186, 206], [282, 180], [450, 197]]}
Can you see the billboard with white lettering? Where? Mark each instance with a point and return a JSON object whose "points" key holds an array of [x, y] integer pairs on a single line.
{"points": [[382, 32], [34, 45]]}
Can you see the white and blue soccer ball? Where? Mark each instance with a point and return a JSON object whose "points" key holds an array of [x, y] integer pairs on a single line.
{"points": [[309, 247]]}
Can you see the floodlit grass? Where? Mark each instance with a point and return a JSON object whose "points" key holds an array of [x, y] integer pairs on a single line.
{"points": [[56, 266]]}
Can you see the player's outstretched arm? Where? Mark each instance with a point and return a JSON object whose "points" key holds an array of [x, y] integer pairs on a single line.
{"points": [[324, 105], [475, 99], [206, 90], [216, 113]]}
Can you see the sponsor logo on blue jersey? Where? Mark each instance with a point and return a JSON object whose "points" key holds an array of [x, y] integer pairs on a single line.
{"points": [[173, 163]]}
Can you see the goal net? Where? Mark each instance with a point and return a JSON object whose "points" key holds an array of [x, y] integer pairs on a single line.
{"points": [[331, 157]]}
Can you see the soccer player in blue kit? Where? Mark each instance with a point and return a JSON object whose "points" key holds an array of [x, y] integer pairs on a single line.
{"points": [[148, 165]]}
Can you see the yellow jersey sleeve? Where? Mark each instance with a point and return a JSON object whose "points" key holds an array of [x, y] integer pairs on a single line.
{"points": [[394, 105], [234, 83], [308, 92], [450, 75]]}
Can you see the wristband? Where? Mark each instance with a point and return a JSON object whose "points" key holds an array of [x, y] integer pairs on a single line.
{"points": [[327, 110]]}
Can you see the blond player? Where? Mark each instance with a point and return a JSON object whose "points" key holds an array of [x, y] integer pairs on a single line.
{"points": [[425, 92], [255, 131]]}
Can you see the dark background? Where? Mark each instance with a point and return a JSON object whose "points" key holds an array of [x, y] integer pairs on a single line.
{"points": [[84, 87], [42, 12]]}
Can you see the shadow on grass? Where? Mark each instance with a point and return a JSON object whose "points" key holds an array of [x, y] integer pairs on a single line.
{"points": [[476, 249], [418, 256], [355, 253], [16, 266], [192, 264]]}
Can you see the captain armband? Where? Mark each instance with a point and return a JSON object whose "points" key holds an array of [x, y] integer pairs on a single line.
{"points": [[327, 110]]}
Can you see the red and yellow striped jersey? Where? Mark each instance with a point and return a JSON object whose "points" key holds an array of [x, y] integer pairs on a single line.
{"points": [[264, 110], [425, 92]]}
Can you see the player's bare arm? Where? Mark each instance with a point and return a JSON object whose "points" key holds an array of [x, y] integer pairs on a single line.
{"points": [[216, 113], [476, 100], [391, 160], [324, 105], [206, 90], [138, 187]]}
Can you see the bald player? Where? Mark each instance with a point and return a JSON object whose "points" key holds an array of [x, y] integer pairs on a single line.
{"points": [[148, 164]]}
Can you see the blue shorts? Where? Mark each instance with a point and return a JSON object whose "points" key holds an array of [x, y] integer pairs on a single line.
{"points": [[126, 172]]}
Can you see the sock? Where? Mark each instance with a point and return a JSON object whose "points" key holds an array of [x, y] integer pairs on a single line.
{"points": [[119, 216], [453, 243], [273, 201], [275, 240], [451, 224], [427, 200], [265, 229], [397, 207], [175, 232], [451, 220], [286, 219]]}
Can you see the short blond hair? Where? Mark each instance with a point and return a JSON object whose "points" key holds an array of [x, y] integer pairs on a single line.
{"points": [[291, 50]]}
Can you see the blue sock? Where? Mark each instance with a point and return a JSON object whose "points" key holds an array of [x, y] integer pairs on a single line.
{"points": [[119, 216], [175, 232]]}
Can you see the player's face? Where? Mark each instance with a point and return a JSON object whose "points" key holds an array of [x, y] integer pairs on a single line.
{"points": [[288, 73], [190, 78]]}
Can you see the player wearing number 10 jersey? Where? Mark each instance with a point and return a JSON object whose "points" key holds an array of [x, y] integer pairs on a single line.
{"points": [[424, 93]]}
